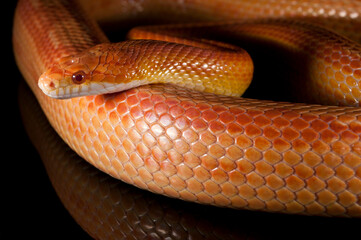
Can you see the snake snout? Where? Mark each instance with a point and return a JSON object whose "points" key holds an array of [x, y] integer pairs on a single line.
{"points": [[46, 84], [49, 83]]}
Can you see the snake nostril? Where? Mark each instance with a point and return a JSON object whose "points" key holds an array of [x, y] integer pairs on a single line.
{"points": [[51, 84]]}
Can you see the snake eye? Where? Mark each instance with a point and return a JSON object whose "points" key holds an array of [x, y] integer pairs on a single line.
{"points": [[78, 77]]}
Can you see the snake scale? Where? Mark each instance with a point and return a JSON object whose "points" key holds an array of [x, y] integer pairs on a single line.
{"points": [[212, 149]]}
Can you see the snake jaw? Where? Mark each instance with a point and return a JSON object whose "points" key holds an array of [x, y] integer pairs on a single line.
{"points": [[58, 83]]}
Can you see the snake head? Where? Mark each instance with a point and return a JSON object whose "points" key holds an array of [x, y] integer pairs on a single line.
{"points": [[92, 72], [67, 78]]}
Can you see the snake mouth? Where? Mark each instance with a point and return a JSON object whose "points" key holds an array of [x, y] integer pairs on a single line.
{"points": [[55, 85], [54, 89]]}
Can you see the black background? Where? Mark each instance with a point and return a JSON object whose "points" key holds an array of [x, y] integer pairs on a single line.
{"points": [[30, 206]]}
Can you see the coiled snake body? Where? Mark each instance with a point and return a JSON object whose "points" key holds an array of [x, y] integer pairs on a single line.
{"points": [[212, 149]]}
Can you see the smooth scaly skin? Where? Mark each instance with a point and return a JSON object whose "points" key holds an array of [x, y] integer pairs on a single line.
{"points": [[238, 153], [107, 208], [115, 67]]}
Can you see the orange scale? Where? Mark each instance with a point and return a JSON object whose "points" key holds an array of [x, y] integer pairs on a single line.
{"points": [[263, 168], [344, 172], [203, 106], [336, 66], [309, 135], [229, 190], [103, 137], [184, 172], [355, 64], [281, 122], [244, 119], [294, 183], [246, 191], [176, 111], [122, 108], [160, 179], [290, 134], [329, 136], [285, 196], [173, 156], [172, 102], [236, 178], [326, 197], [356, 93], [132, 100], [127, 121], [201, 174], [355, 127], [262, 144], [218, 175], [328, 61], [144, 95], [207, 138], [324, 172], [130, 170], [209, 115], [272, 114], [350, 81], [244, 166], [300, 146], [99, 100], [216, 127], [194, 186], [254, 113], [349, 137], [354, 185], [165, 119], [234, 129], [217, 151], [151, 165], [155, 98], [347, 70], [197, 124], [357, 74], [91, 108], [225, 140], [281, 145], [262, 121], [102, 113], [346, 199], [234, 153], [226, 164], [146, 104], [226, 117], [198, 149], [212, 188], [303, 171], [274, 182], [339, 77], [312, 159], [252, 131], [329, 72], [338, 126], [300, 124], [243, 142]]}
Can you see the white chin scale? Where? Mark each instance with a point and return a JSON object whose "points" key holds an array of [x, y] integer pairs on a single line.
{"points": [[89, 89]]}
